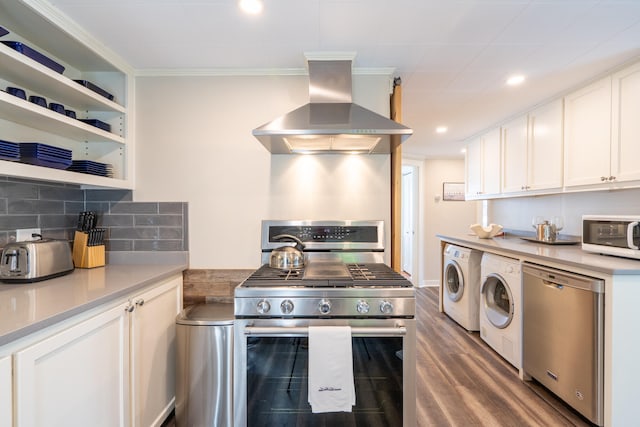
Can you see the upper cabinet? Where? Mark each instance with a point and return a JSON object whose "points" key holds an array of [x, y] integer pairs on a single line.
{"points": [[483, 166], [602, 132], [587, 140], [587, 134], [625, 126], [544, 171], [41, 27], [515, 136], [532, 151]]}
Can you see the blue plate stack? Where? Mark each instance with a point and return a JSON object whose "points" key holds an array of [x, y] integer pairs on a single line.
{"points": [[9, 150], [39, 154], [91, 167]]}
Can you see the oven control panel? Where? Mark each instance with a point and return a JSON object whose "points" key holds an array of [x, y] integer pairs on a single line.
{"points": [[334, 235], [325, 307]]}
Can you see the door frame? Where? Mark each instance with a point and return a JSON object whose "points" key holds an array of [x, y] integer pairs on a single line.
{"points": [[418, 214]]}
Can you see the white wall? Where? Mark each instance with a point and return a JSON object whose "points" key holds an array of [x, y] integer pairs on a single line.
{"points": [[442, 217], [516, 213], [194, 144]]}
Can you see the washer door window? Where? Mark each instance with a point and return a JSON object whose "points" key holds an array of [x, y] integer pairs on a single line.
{"points": [[454, 280], [498, 301]]}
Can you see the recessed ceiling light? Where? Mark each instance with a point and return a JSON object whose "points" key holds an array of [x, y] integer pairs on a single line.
{"points": [[441, 129], [464, 150], [515, 80], [252, 7]]}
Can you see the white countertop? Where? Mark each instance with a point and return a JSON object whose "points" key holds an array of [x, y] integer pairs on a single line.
{"points": [[570, 255], [27, 308]]}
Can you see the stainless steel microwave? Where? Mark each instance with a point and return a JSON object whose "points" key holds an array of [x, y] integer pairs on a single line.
{"points": [[612, 235]]}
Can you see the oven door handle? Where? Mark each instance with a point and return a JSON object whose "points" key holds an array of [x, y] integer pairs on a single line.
{"points": [[304, 331]]}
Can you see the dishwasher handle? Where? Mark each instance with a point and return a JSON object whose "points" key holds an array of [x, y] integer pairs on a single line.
{"points": [[554, 285], [559, 278]]}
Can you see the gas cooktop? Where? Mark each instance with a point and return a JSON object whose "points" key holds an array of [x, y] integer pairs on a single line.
{"points": [[329, 274]]}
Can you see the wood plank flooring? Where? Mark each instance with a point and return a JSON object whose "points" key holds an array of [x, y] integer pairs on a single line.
{"points": [[463, 382]]}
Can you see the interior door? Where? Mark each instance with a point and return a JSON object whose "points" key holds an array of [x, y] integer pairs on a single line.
{"points": [[407, 220]]}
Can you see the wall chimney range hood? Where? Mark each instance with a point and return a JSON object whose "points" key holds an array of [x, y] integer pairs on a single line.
{"points": [[330, 122]]}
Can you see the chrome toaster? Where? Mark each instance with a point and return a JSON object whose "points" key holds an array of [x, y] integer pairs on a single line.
{"points": [[25, 262]]}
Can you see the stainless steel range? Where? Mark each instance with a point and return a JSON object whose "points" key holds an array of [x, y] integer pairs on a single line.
{"points": [[343, 283]]}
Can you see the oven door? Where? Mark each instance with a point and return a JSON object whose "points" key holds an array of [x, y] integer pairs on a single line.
{"points": [[271, 366]]}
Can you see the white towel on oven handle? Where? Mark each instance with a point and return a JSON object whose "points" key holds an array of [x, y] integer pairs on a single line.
{"points": [[331, 385]]}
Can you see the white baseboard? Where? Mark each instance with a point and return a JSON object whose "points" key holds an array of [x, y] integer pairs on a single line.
{"points": [[427, 284]]}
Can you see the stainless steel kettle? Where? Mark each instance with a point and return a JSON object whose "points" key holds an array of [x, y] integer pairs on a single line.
{"points": [[287, 257], [546, 232]]}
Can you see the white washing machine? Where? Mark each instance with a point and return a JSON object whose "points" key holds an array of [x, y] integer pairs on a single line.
{"points": [[461, 290], [501, 306]]}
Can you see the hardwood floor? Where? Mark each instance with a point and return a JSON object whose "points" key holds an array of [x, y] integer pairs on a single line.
{"points": [[463, 382]]}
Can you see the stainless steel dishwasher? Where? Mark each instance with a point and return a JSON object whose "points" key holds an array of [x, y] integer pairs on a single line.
{"points": [[563, 342]]}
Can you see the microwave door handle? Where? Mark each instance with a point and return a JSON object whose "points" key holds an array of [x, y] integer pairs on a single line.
{"points": [[630, 228]]}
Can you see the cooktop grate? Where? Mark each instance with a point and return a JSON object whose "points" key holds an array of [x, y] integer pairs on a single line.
{"points": [[373, 274]]}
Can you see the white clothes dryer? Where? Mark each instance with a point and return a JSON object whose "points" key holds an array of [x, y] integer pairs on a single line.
{"points": [[501, 306], [461, 290]]}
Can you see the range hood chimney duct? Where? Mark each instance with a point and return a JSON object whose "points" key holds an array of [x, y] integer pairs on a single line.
{"points": [[330, 122]]}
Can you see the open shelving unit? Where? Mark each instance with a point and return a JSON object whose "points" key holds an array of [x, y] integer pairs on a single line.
{"points": [[40, 26]]}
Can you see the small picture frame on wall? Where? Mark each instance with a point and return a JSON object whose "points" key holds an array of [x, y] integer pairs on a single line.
{"points": [[453, 191]]}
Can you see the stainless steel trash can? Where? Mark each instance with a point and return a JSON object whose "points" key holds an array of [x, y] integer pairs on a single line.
{"points": [[204, 371]]}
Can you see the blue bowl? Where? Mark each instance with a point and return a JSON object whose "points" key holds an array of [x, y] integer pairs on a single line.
{"points": [[16, 91], [70, 113], [58, 108], [3, 32], [38, 100]]}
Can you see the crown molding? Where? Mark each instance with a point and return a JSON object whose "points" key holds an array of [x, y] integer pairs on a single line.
{"points": [[248, 72]]}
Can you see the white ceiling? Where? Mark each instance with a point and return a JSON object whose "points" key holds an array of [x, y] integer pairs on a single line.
{"points": [[453, 55]]}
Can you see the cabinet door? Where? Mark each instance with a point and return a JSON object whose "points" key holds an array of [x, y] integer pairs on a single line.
{"points": [[545, 147], [76, 377], [473, 169], [514, 155], [491, 162], [6, 394], [153, 353], [625, 141], [587, 134]]}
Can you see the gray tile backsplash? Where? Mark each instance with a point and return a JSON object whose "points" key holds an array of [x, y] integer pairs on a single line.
{"points": [[54, 208]]}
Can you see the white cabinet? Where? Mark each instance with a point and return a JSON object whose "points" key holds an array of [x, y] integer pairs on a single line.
{"points": [[77, 376], [113, 367], [545, 152], [587, 135], [6, 396], [625, 135], [22, 121], [515, 135], [483, 166], [532, 150], [153, 353], [473, 168], [602, 131]]}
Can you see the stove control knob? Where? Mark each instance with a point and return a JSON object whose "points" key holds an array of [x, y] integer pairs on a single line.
{"points": [[263, 306], [324, 306], [386, 307], [362, 307], [286, 307]]}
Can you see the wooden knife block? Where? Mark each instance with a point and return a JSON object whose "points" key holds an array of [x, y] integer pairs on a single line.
{"points": [[86, 256]]}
